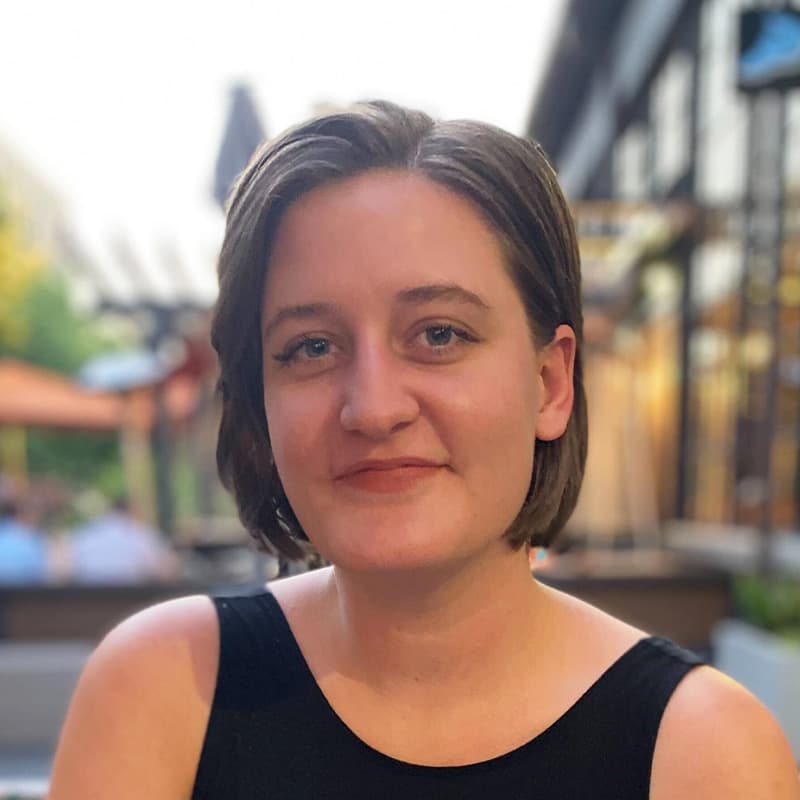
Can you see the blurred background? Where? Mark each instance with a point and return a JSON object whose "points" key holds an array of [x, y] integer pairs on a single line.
{"points": [[675, 128]]}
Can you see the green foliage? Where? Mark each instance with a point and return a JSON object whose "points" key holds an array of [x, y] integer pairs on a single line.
{"points": [[770, 603], [20, 264], [57, 336], [82, 459]]}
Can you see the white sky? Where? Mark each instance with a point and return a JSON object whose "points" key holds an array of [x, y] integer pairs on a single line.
{"points": [[120, 106]]}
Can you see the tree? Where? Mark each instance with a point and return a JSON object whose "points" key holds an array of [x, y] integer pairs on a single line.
{"points": [[21, 263], [39, 324]]}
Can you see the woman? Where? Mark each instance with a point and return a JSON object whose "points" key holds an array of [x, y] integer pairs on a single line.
{"points": [[399, 332]]}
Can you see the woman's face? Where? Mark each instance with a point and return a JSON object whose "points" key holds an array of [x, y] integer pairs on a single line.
{"points": [[402, 387]]}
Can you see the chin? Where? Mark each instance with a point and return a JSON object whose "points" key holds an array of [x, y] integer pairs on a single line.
{"points": [[409, 551]]}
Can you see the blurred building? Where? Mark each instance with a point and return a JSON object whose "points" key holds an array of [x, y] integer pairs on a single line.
{"points": [[691, 276], [152, 298]]}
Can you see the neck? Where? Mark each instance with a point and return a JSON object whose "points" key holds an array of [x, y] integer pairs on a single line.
{"points": [[438, 632]]}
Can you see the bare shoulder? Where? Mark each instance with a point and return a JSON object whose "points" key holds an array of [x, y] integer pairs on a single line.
{"points": [[717, 741], [136, 722]]}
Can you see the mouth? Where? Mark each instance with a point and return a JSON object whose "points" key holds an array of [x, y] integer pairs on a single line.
{"points": [[388, 476]]}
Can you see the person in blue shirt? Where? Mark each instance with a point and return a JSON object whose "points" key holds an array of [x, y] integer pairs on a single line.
{"points": [[116, 548], [23, 549]]}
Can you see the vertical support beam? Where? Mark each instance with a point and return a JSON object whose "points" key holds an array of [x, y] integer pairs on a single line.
{"points": [[685, 258], [759, 320], [162, 461], [743, 433], [773, 322], [685, 455], [202, 437], [162, 434], [136, 456]]}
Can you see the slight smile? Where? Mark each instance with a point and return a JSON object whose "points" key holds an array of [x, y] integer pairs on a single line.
{"points": [[387, 476]]}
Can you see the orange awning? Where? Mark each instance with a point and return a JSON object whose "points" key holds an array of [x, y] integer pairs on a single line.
{"points": [[34, 397]]}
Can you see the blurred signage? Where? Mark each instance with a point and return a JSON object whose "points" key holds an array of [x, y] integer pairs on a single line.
{"points": [[769, 49]]}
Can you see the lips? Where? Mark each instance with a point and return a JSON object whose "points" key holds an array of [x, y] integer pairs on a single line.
{"points": [[388, 475]]}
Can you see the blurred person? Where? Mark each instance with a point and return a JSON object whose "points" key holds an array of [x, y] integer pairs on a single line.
{"points": [[116, 548], [23, 548], [399, 335]]}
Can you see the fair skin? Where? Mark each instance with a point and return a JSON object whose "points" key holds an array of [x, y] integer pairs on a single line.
{"points": [[404, 395]]}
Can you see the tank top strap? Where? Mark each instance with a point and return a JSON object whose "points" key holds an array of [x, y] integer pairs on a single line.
{"points": [[262, 679], [259, 661], [653, 671], [619, 717]]}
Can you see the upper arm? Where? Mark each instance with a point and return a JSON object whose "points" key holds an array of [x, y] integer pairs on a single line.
{"points": [[136, 722], [718, 742]]}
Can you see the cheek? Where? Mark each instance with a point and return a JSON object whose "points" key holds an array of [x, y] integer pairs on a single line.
{"points": [[496, 413], [508, 391], [296, 422]]}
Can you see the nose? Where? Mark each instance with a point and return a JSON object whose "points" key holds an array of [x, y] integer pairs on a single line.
{"points": [[377, 400]]}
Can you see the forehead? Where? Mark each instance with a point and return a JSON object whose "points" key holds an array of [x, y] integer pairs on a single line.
{"points": [[388, 225]]}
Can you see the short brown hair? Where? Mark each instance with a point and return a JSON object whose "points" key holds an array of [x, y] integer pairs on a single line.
{"points": [[510, 182]]}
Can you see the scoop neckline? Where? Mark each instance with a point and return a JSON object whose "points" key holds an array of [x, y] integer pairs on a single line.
{"points": [[486, 765]]}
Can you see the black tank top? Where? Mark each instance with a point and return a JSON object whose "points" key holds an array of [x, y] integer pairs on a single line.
{"points": [[273, 736]]}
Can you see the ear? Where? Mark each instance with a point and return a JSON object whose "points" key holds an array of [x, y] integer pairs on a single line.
{"points": [[556, 368]]}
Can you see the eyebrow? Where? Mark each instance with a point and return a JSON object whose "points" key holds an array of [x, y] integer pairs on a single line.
{"points": [[307, 311], [442, 291], [418, 295]]}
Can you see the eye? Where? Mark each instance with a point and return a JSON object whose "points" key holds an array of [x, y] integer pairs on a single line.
{"points": [[308, 348], [315, 348], [443, 334], [442, 339], [439, 335]]}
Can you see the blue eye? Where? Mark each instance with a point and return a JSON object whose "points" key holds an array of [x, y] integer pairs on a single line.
{"points": [[441, 342], [315, 348], [310, 348], [439, 335]]}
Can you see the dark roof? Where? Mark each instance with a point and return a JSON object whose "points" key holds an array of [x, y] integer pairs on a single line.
{"points": [[585, 34], [244, 132]]}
